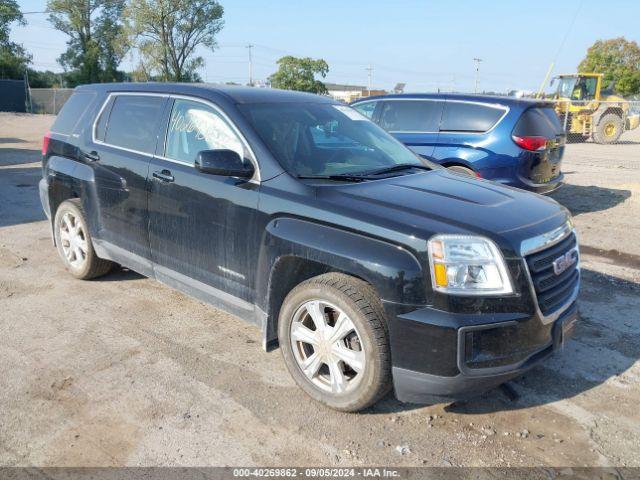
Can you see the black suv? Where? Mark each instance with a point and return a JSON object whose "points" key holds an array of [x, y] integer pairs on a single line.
{"points": [[368, 265]]}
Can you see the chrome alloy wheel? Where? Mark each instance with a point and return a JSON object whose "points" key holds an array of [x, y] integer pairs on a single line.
{"points": [[327, 347], [74, 240]]}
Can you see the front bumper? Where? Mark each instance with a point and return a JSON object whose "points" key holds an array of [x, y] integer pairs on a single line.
{"points": [[448, 383]]}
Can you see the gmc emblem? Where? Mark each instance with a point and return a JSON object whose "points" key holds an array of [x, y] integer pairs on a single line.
{"points": [[563, 262]]}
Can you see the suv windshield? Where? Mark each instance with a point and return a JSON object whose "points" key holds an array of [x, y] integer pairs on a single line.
{"points": [[322, 139]]}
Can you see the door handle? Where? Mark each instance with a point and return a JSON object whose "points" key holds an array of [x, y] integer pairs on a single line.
{"points": [[163, 175], [91, 156]]}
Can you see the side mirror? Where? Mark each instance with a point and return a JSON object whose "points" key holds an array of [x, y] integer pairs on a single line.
{"points": [[223, 162]]}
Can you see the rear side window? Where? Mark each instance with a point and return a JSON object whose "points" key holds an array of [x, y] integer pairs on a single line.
{"points": [[103, 120], [71, 112], [132, 122], [411, 116], [469, 117], [538, 122]]}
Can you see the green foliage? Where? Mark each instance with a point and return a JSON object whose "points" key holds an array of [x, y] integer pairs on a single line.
{"points": [[9, 13], [619, 60], [46, 79], [300, 74], [168, 32], [13, 57], [96, 43]]}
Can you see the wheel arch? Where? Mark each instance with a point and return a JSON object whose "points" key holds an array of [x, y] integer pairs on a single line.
{"points": [[67, 179], [295, 250], [456, 162], [609, 109]]}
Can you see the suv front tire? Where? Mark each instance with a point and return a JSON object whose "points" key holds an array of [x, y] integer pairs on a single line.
{"points": [[334, 340]]}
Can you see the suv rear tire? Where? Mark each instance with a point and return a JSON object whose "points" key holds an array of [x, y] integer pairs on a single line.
{"points": [[334, 340], [73, 242]]}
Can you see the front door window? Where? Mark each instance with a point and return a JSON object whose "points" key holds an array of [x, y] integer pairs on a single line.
{"points": [[195, 127]]}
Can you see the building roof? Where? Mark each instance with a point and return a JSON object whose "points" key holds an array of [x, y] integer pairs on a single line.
{"points": [[343, 86]]}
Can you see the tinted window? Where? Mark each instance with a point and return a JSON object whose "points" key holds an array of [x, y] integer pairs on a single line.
{"points": [[71, 112], [132, 123], [366, 108], [469, 117], [195, 127], [411, 116], [541, 122]]}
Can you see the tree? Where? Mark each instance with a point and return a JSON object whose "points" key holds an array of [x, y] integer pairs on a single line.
{"points": [[111, 39], [95, 30], [45, 79], [14, 59], [619, 60], [300, 74], [168, 32]]}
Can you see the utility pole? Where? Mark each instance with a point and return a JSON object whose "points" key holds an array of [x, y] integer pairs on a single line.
{"points": [[249, 47], [477, 60], [369, 70]]}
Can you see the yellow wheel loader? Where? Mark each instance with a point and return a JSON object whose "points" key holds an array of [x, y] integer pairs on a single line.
{"points": [[588, 111]]}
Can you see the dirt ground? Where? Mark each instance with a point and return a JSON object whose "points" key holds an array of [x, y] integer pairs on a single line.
{"points": [[124, 371]]}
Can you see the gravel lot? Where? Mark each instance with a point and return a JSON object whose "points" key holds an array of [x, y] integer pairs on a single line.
{"points": [[124, 371]]}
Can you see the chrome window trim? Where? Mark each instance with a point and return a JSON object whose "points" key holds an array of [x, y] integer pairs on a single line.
{"points": [[538, 244], [546, 240], [252, 158], [450, 132]]}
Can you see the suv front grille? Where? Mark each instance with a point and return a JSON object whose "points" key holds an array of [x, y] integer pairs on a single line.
{"points": [[554, 289]]}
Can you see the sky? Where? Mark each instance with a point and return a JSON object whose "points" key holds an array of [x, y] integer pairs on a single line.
{"points": [[428, 45]]}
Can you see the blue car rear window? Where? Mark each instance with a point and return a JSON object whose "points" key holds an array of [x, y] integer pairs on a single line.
{"points": [[540, 122], [469, 117]]}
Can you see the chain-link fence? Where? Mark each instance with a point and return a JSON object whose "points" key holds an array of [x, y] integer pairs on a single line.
{"points": [[602, 122], [48, 100]]}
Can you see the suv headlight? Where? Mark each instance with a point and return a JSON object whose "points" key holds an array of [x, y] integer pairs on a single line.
{"points": [[467, 265]]}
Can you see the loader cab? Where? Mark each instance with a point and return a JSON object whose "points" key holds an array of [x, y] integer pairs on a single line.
{"points": [[581, 87]]}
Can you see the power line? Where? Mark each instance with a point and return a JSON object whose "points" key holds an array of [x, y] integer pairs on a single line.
{"points": [[567, 32]]}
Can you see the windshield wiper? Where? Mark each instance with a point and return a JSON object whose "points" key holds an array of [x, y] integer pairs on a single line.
{"points": [[395, 168], [344, 177], [368, 175]]}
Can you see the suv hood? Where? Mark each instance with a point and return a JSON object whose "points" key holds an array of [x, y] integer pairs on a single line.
{"points": [[442, 202]]}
